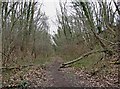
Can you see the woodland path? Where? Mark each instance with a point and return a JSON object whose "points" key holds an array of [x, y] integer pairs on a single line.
{"points": [[70, 77], [51, 76], [62, 78]]}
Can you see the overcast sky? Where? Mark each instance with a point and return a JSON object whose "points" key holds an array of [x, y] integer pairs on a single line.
{"points": [[50, 6]]}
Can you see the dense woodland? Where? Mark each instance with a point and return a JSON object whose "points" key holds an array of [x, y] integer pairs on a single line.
{"points": [[88, 34], [24, 32]]}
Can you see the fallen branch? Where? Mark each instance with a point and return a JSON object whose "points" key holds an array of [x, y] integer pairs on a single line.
{"points": [[16, 67], [108, 41], [81, 57], [115, 62]]}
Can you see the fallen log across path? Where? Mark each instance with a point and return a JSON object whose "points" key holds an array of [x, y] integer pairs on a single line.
{"points": [[81, 57]]}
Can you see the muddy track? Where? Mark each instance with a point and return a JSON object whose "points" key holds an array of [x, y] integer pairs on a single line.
{"points": [[60, 78], [70, 77], [51, 76]]}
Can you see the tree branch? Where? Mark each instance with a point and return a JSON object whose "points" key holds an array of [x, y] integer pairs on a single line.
{"points": [[81, 57]]}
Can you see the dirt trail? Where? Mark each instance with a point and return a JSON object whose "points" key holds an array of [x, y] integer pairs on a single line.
{"points": [[51, 76], [59, 77], [70, 77]]}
